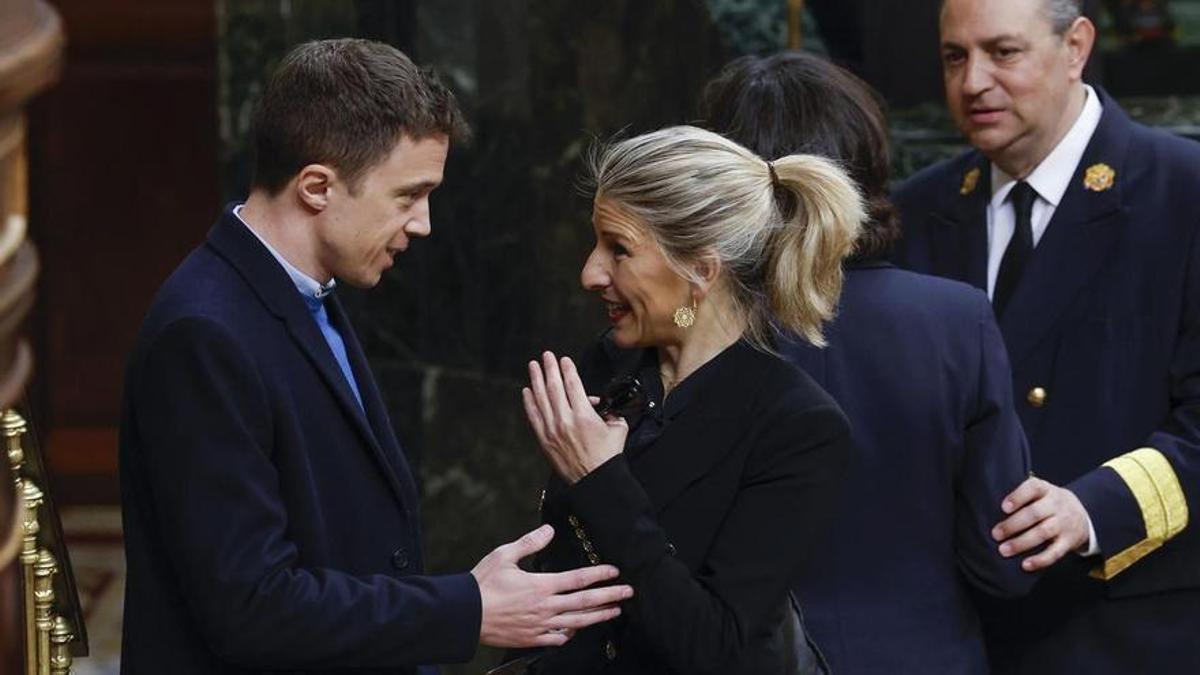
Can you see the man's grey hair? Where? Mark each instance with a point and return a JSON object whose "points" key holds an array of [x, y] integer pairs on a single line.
{"points": [[1062, 13]]}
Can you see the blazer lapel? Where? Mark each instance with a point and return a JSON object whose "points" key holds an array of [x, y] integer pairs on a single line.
{"points": [[376, 411], [270, 282], [1078, 240], [958, 242]]}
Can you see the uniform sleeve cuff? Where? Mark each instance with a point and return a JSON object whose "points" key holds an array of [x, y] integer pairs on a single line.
{"points": [[1161, 509]]}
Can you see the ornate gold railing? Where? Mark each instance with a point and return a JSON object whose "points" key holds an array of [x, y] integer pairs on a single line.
{"points": [[54, 630]]}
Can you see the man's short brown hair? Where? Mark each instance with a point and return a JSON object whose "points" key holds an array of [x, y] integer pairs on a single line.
{"points": [[345, 103]]}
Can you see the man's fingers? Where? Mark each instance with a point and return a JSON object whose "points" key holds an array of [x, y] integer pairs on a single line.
{"points": [[1053, 553], [1022, 520], [551, 639], [1031, 538], [1031, 489], [531, 542], [573, 580], [592, 598], [573, 621]]}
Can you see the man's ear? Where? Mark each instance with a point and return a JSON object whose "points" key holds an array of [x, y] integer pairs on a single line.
{"points": [[1079, 38], [313, 185]]}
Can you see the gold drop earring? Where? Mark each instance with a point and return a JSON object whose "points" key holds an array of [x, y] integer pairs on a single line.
{"points": [[686, 316]]}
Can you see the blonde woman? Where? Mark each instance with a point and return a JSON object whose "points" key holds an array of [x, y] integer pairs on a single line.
{"points": [[708, 487]]}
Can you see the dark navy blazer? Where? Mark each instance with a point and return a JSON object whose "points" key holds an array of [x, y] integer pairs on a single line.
{"points": [[918, 366], [1106, 320], [270, 524]]}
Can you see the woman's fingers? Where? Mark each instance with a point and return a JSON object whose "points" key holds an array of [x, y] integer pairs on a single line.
{"points": [[576, 394], [533, 414], [555, 390], [537, 385]]}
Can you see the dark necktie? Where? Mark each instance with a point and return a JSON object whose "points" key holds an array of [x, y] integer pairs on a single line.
{"points": [[1020, 247]]}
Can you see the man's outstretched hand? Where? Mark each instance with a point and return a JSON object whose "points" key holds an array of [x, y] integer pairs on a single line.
{"points": [[525, 609]]}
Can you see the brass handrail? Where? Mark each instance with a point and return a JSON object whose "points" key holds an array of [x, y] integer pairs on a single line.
{"points": [[10, 546], [53, 618]]}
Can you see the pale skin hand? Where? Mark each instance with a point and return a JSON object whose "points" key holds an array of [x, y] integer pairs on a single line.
{"points": [[1040, 513], [573, 437], [524, 609]]}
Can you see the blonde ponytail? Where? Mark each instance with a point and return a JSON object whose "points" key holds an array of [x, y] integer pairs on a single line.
{"points": [[781, 237], [820, 225]]}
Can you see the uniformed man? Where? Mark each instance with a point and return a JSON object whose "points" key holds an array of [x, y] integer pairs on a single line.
{"points": [[1081, 226]]}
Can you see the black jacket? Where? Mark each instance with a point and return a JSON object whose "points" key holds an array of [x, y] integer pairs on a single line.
{"points": [[710, 514]]}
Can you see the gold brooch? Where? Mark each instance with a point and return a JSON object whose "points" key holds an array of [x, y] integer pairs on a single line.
{"points": [[970, 180], [1099, 177]]}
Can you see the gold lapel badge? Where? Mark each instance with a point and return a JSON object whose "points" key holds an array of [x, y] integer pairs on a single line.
{"points": [[970, 180], [1099, 177]]}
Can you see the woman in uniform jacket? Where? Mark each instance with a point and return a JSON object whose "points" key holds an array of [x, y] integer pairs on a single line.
{"points": [[920, 369], [708, 491]]}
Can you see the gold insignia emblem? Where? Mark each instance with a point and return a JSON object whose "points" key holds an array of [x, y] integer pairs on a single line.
{"points": [[1099, 177], [970, 180]]}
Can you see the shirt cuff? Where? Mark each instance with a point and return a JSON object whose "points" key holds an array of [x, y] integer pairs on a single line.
{"points": [[1093, 546]]}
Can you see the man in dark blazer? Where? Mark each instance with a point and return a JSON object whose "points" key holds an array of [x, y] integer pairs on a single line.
{"points": [[1081, 226], [271, 520]]}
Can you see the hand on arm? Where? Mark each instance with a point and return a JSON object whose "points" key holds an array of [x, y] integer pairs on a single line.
{"points": [[574, 438], [523, 609], [1041, 513]]}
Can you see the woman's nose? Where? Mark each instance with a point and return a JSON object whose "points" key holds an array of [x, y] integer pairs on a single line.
{"points": [[594, 275]]}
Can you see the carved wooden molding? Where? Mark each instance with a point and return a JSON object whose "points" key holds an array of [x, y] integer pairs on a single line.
{"points": [[31, 58]]}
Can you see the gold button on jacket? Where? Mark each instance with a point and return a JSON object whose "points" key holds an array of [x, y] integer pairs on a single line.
{"points": [[1036, 397]]}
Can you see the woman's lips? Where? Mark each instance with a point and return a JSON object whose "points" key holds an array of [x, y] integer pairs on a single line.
{"points": [[616, 310]]}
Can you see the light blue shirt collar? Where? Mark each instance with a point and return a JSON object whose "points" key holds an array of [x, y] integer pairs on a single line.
{"points": [[310, 288]]}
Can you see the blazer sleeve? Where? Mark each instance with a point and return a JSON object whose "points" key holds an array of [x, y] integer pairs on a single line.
{"points": [[204, 419], [995, 461], [1142, 499], [701, 622]]}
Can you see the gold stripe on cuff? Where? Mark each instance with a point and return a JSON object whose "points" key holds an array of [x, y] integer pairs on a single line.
{"points": [[1159, 496]]}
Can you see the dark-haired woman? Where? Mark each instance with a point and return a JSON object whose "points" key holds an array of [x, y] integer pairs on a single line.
{"points": [[708, 495], [919, 367]]}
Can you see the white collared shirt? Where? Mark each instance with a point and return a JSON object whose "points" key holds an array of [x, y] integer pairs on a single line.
{"points": [[308, 287], [1049, 180]]}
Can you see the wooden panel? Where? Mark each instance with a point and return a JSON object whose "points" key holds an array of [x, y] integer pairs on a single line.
{"points": [[144, 31], [123, 183]]}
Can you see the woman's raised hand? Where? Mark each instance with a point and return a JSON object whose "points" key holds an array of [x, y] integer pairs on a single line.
{"points": [[575, 439]]}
